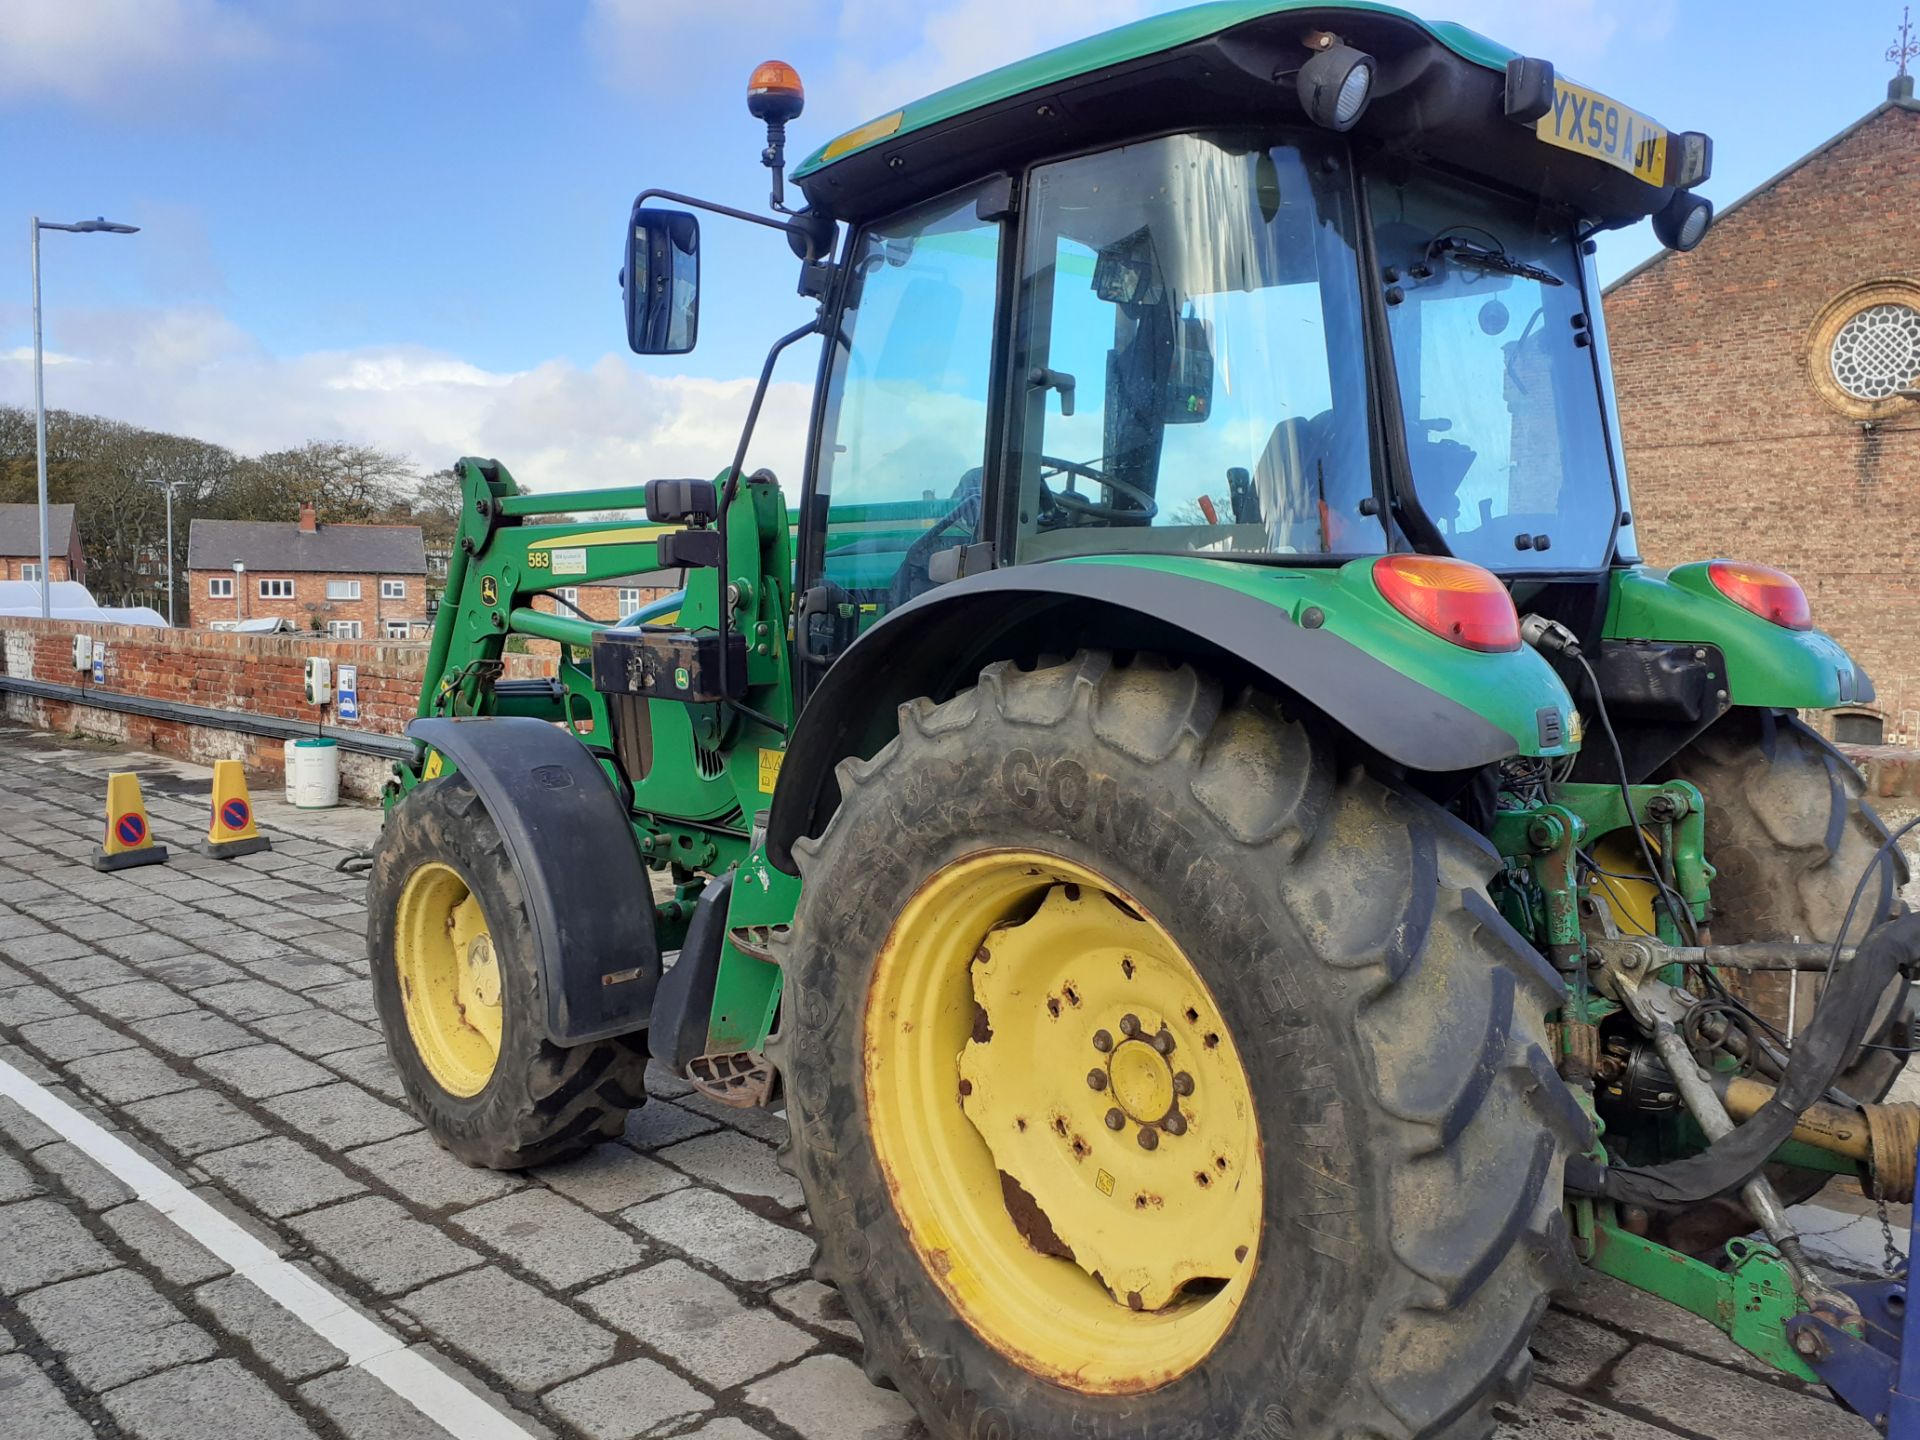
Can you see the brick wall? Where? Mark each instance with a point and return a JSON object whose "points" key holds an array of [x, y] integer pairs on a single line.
{"points": [[252, 674], [1731, 448], [309, 608]]}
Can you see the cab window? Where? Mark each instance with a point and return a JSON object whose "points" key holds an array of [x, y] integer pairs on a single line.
{"points": [[1190, 354], [906, 421]]}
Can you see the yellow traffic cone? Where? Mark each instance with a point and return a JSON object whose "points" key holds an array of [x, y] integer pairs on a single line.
{"points": [[129, 840], [231, 831]]}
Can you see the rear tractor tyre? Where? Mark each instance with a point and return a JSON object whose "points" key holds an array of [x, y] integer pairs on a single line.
{"points": [[458, 993], [1150, 1077], [1790, 832]]}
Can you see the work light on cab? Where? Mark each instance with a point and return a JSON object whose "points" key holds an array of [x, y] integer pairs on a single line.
{"points": [[1336, 83], [1455, 600], [1769, 593]]}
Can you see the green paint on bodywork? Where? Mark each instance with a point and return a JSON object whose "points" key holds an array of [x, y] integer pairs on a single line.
{"points": [[1768, 665], [1134, 42], [746, 993], [1752, 1301], [1508, 689]]}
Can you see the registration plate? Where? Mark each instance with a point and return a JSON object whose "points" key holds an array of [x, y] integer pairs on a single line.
{"points": [[1591, 124]]}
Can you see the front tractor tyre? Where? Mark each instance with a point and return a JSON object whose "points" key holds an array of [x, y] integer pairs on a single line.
{"points": [[1150, 1076], [458, 992]]}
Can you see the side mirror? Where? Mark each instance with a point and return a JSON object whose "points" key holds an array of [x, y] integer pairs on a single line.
{"points": [[661, 281]]}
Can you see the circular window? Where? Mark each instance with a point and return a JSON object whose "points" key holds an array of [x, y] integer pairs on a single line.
{"points": [[1865, 348], [1877, 351]]}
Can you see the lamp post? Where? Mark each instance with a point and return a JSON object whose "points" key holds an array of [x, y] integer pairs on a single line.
{"points": [[167, 486], [35, 226], [239, 584]]}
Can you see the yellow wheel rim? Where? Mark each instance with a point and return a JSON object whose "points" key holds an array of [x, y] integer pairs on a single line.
{"points": [[449, 979], [1064, 1122]]}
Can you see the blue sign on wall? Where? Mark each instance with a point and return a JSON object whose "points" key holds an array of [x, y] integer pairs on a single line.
{"points": [[346, 692]]}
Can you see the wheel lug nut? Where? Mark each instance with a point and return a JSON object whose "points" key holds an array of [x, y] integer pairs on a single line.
{"points": [[1183, 1083], [1163, 1043], [1115, 1119], [1176, 1123], [1102, 1041], [1130, 1025], [1096, 1079], [1149, 1137]]}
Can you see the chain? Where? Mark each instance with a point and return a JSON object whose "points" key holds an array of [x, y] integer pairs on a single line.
{"points": [[1896, 1262]]}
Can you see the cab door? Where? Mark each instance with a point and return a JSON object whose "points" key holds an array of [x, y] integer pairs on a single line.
{"points": [[902, 446]]}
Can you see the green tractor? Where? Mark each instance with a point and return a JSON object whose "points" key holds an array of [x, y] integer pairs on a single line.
{"points": [[1239, 877]]}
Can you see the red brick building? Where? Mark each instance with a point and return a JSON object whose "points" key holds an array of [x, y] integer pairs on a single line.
{"points": [[349, 582], [607, 602], [20, 544], [1759, 378]]}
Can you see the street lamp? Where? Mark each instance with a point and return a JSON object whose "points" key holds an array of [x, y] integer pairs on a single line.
{"points": [[35, 226]]}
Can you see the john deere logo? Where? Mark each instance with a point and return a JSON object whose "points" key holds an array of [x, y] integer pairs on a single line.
{"points": [[489, 591]]}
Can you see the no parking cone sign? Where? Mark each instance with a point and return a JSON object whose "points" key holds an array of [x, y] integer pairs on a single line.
{"points": [[129, 838], [231, 831]]}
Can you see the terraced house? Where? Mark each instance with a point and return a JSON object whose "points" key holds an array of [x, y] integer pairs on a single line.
{"points": [[20, 544], [350, 582]]}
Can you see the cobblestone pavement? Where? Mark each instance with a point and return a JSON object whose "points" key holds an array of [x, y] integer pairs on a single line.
{"points": [[216, 1016]]}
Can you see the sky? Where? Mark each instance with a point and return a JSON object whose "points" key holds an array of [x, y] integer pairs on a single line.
{"points": [[400, 224]]}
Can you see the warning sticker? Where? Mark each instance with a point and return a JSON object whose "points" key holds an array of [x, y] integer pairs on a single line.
{"points": [[570, 562], [770, 769]]}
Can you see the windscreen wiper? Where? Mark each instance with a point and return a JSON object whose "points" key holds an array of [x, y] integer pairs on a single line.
{"points": [[1465, 252]]}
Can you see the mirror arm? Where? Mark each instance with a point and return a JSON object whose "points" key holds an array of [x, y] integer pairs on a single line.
{"points": [[810, 236]]}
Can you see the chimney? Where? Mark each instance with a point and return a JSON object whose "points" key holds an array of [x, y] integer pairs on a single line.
{"points": [[308, 524]]}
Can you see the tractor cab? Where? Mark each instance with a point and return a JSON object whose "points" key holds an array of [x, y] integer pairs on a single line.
{"points": [[1281, 283]]}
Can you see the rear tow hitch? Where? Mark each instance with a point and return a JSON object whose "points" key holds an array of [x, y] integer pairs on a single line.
{"points": [[1877, 1372]]}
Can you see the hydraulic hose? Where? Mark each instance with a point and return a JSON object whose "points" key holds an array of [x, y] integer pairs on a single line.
{"points": [[1819, 1054]]}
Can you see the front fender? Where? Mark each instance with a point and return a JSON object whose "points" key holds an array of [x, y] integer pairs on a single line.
{"points": [[586, 887], [1767, 665], [1325, 635]]}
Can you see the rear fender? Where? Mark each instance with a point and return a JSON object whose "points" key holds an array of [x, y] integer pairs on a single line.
{"points": [[1766, 664], [1325, 636], [572, 848]]}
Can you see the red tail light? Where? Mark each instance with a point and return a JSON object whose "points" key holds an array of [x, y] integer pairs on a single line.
{"points": [[1453, 599], [1769, 593]]}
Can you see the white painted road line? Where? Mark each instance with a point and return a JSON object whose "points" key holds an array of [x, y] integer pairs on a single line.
{"points": [[367, 1345]]}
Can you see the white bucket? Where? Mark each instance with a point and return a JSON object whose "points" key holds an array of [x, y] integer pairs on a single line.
{"points": [[313, 774]]}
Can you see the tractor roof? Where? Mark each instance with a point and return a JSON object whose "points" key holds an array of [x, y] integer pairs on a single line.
{"points": [[1438, 96]]}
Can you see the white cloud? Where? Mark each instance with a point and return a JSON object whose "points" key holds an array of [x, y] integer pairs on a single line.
{"points": [[557, 425], [117, 50]]}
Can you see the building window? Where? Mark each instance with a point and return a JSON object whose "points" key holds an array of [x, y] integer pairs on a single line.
{"points": [[629, 602], [220, 587], [393, 589], [570, 594], [1859, 729], [1865, 348], [1877, 352], [398, 629], [343, 629], [30, 572], [343, 589], [276, 589]]}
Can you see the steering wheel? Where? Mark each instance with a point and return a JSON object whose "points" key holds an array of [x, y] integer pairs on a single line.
{"points": [[1078, 504]]}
